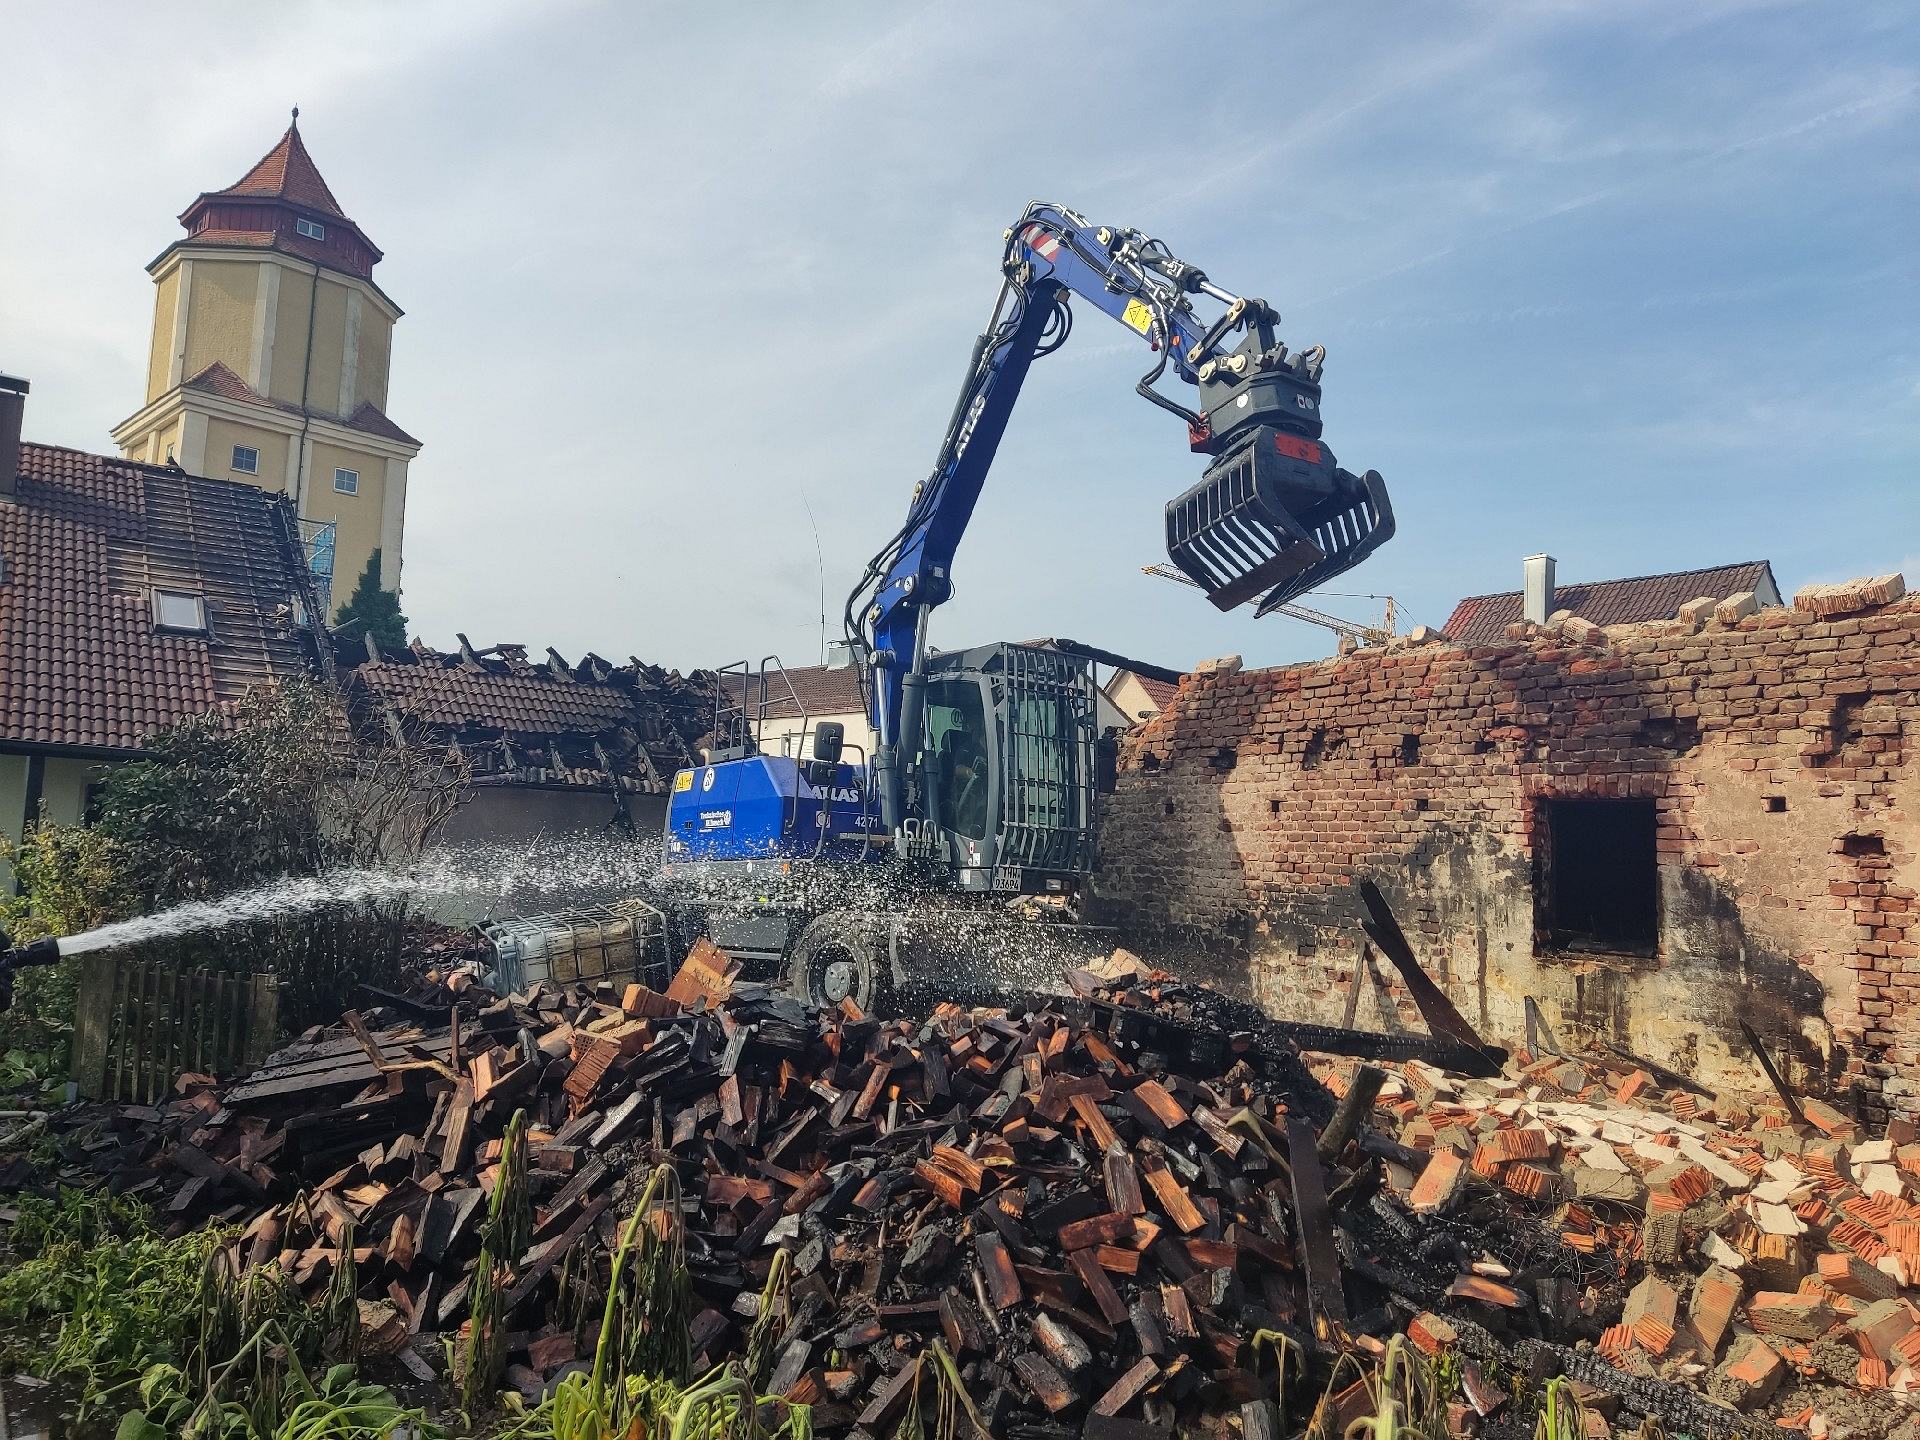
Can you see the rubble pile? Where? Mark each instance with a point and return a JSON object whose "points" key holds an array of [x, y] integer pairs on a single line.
{"points": [[1774, 1258], [1095, 1201], [1090, 1231]]}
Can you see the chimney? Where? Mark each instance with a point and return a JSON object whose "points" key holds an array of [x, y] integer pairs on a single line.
{"points": [[13, 408], [1536, 595]]}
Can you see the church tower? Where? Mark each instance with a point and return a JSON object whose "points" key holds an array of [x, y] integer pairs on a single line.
{"points": [[269, 362]]}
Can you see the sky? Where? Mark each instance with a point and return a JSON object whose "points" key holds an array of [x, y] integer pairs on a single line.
{"points": [[689, 288]]}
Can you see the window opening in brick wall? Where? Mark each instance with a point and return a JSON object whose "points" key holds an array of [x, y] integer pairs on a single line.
{"points": [[1863, 845], [1409, 749], [1597, 875], [1776, 804]]}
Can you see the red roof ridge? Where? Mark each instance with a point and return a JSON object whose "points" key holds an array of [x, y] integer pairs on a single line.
{"points": [[1628, 579]]}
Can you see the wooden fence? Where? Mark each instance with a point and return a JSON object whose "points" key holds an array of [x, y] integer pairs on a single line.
{"points": [[139, 1025]]}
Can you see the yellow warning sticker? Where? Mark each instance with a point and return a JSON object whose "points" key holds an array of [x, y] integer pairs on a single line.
{"points": [[683, 781], [1138, 316]]}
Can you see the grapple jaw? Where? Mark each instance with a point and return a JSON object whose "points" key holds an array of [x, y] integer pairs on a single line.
{"points": [[1274, 516]]}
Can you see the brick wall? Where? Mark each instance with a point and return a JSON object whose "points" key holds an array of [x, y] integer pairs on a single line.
{"points": [[1774, 749]]}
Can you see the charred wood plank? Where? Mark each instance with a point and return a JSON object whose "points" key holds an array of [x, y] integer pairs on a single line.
{"points": [[1326, 1300]]}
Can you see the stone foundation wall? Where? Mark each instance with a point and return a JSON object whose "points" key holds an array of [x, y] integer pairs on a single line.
{"points": [[1774, 749]]}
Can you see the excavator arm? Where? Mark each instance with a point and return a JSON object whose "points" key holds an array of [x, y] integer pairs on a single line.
{"points": [[1272, 512]]}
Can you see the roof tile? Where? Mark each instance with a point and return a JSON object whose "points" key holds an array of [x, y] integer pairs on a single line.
{"points": [[85, 539], [287, 172], [1483, 619], [547, 724]]}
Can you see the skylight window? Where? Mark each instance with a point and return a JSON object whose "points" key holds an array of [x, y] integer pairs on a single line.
{"points": [[179, 610], [312, 229]]}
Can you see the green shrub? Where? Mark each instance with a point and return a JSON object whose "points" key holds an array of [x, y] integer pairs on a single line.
{"points": [[269, 787]]}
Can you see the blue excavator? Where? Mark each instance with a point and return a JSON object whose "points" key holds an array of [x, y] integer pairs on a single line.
{"points": [[837, 867]]}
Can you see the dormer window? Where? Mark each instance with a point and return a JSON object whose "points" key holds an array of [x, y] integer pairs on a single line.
{"points": [[312, 229], [180, 611]]}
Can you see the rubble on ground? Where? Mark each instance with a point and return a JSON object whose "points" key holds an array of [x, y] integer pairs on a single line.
{"points": [[1774, 1261], [1096, 1201]]}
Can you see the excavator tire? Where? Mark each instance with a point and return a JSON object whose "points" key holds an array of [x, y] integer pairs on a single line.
{"points": [[840, 955]]}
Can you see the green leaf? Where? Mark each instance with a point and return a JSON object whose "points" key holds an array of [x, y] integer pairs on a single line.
{"points": [[136, 1426]]}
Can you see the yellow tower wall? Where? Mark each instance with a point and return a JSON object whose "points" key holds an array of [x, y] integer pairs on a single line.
{"points": [[223, 435], [220, 315], [329, 346], [376, 341], [290, 334], [166, 296]]}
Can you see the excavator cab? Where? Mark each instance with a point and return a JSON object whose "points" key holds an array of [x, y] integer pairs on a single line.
{"points": [[1007, 774], [1273, 513]]}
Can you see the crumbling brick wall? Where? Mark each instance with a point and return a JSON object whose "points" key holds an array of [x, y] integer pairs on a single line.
{"points": [[1774, 749]]}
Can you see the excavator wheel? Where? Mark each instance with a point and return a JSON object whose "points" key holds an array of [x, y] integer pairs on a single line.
{"points": [[840, 955]]}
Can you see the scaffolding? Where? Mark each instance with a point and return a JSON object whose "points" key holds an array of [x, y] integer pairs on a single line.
{"points": [[317, 540]]}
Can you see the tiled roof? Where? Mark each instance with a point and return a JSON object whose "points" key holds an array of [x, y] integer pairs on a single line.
{"points": [[455, 697], [820, 691], [267, 208], [287, 172], [218, 379], [1483, 619], [372, 419], [1158, 691], [287, 242], [85, 540], [520, 720]]}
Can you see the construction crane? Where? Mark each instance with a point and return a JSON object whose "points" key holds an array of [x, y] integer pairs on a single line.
{"points": [[1352, 629], [986, 766]]}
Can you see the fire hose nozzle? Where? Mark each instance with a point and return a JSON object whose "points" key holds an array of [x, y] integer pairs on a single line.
{"points": [[45, 951]]}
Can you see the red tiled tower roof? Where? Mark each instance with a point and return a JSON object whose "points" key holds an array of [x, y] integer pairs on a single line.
{"points": [[287, 172], [268, 207]]}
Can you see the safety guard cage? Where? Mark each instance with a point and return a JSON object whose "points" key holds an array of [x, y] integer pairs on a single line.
{"points": [[1046, 817]]}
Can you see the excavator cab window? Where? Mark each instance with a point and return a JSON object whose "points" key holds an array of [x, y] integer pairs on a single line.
{"points": [[957, 740]]}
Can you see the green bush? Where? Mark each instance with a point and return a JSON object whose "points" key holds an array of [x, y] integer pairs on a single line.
{"points": [[269, 787]]}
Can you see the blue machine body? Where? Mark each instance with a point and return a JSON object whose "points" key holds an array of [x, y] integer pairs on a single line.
{"points": [[770, 808]]}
